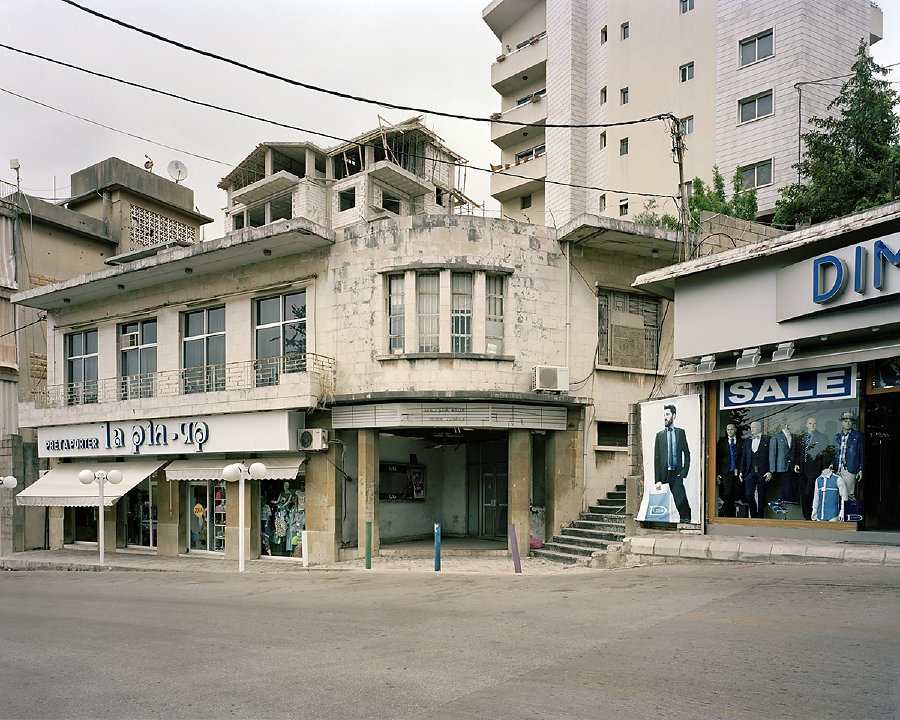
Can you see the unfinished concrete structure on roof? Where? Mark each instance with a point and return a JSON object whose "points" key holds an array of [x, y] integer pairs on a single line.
{"points": [[391, 171]]}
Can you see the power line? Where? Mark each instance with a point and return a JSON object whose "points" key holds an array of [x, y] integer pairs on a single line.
{"points": [[338, 93], [337, 138]]}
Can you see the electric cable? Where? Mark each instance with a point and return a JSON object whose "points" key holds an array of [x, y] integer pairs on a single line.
{"points": [[338, 93]]}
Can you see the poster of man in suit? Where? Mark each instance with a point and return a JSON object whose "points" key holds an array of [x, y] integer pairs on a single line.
{"points": [[670, 432]]}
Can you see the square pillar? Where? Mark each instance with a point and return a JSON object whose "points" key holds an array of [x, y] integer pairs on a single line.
{"points": [[121, 513], [565, 473], [57, 527], [110, 527], [368, 469], [519, 488], [324, 509], [171, 534], [233, 520]]}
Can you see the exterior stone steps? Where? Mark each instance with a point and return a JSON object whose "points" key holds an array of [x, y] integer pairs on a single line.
{"points": [[560, 557], [591, 544], [597, 526]]}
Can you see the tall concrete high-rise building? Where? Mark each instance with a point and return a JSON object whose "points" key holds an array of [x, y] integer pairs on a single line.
{"points": [[728, 68]]}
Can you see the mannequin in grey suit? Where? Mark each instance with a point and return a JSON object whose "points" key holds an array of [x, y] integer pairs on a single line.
{"points": [[781, 461]]}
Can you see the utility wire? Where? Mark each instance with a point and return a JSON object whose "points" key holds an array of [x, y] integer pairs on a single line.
{"points": [[338, 93], [10, 332], [315, 132]]}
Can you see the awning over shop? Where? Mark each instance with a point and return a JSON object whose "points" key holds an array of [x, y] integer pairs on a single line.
{"points": [[199, 469], [61, 486]]}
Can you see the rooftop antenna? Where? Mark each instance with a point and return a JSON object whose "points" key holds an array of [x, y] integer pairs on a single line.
{"points": [[177, 170]]}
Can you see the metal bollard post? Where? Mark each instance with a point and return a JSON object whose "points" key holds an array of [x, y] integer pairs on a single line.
{"points": [[437, 547], [368, 545], [517, 563]]}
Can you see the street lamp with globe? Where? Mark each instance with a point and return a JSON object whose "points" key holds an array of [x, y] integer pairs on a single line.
{"points": [[8, 482], [101, 477], [238, 472]]}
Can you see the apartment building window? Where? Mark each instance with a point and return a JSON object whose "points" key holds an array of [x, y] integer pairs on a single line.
{"points": [[687, 72], [203, 350], [81, 367], [623, 208], [137, 359], [439, 195], [347, 163], [461, 312], [612, 434], [9, 354], [390, 203], [628, 326], [396, 314], [623, 146], [493, 328], [625, 31], [531, 153], [623, 95], [686, 6], [603, 202], [603, 140], [347, 199], [536, 95], [687, 125], [525, 202], [428, 301], [603, 35], [756, 107], [603, 95], [280, 336], [757, 175], [757, 48]]}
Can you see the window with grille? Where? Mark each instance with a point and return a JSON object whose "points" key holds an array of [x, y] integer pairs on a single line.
{"points": [[203, 350], [150, 228], [428, 297], [461, 312], [493, 331], [396, 314], [628, 327]]}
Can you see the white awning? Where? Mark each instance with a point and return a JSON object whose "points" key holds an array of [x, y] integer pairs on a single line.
{"points": [[200, 469], [61, 485]]}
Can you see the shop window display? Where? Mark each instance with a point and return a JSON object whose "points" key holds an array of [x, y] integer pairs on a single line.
{"points": [[282, 517], [782, 462]]}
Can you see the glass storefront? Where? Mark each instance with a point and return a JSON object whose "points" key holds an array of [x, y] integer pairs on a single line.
{"points": [[140, 514], [282, 516], [206, 516]]}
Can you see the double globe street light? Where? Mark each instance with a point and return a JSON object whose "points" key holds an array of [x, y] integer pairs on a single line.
{"points": [[101, 477], [238, 472]]}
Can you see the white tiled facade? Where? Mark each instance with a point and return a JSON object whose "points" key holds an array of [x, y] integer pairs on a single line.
{"points": [[812, 40]]}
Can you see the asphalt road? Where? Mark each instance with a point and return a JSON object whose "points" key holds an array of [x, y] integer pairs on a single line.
{"points": [[678, 641]]}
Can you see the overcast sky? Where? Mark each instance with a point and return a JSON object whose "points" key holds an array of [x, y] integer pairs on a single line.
{"points": [[425, 53]]}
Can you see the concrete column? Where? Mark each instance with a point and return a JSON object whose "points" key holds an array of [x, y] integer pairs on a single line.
{"points": [[367, 449], [519, 487], [324, 508], [57, 527], [171, 538], [233, 520], [120, 513], [110, 517], [565, 473]]}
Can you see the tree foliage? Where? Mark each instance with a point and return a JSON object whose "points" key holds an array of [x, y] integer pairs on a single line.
{"points": [[712, 198], [846, 166]]}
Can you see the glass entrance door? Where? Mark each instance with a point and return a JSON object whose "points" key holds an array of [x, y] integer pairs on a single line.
{"points": [[206, 516], [494, 501], [140, 514]]}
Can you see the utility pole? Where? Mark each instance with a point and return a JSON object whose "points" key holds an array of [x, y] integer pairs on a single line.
{"points": [[678, 149]]}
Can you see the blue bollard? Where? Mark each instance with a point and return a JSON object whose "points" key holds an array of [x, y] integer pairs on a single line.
{"points": [[437, 547]]}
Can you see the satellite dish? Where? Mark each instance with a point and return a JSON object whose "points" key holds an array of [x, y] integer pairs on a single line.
{"points": [[177, 170]]}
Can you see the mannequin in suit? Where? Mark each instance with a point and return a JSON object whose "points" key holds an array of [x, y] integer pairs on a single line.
{"points": [[672, 461], [728, 463], [781, 461], [811, 457], [755, 469]]}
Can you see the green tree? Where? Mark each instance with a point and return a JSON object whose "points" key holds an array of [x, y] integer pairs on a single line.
{"points": [[712, 198], [846, 166], [651, 216]]}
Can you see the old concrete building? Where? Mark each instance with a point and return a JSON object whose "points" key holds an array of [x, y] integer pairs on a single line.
{"points": [[115, 209], [728, 69], [388, 362]]}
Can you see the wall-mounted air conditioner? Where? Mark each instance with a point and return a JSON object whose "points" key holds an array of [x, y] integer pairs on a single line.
{"points": [[549, 378], [131, 340], [312, 439]]}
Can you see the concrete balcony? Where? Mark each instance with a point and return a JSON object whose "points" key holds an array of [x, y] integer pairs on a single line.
{"points": [[289, 382], [534, 111], [522, 179], [520, 67], [267, 187]]}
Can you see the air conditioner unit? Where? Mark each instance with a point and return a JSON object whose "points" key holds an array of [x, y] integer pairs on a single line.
{"points": [[312, 439], [131, 340], [549, 378]]}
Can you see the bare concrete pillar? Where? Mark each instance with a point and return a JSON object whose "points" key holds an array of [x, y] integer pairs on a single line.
{"points": [[367, 449], [121, 512], [520, 487], [233, 520], [110, 522], [168, 540], [324, 505], [56, 533], [565, 473]]}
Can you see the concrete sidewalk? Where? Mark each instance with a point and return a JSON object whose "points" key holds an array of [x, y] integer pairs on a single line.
{"points": [[676, 546]]}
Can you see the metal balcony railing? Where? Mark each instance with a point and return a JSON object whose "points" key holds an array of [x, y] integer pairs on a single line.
{"points": [[244, 375]]}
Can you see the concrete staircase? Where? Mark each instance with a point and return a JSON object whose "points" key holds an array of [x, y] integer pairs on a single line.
{"points": [[595, 530]]}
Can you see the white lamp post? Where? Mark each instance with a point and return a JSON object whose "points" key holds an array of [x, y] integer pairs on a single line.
{"points": [[101, 477], [240, 472], [8, 482]]}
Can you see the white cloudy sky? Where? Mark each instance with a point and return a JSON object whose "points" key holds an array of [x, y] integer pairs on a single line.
{"points": [[426, 53]]}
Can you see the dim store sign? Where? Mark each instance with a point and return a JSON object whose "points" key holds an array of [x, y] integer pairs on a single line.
{"points": [[807, 386]]}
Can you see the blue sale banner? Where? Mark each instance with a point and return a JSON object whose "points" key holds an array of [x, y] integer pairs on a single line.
{"points": [[805, 386]]}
